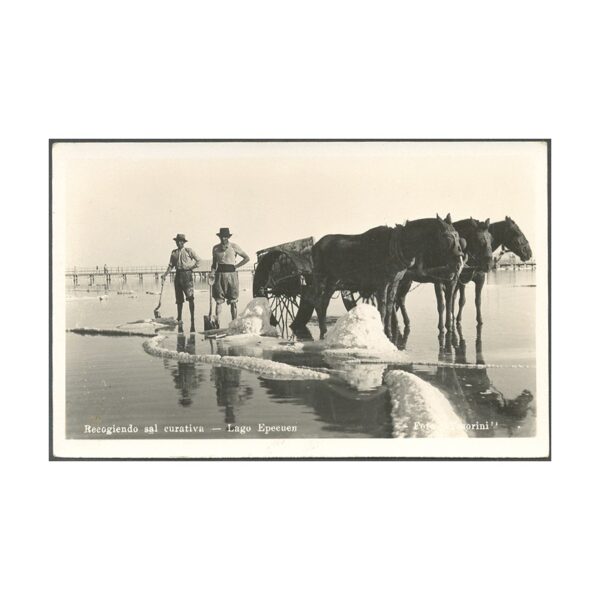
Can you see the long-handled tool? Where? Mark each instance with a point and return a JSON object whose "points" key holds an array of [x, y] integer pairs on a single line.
{"points": [[210, 322], [156, 313]]}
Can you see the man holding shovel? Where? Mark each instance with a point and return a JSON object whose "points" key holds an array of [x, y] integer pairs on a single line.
{"points": [[184, 261], [225, 286]]}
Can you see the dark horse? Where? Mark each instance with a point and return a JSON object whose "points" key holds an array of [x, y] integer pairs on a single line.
{"points": [[506, 234], [477, 243], [374, 262]]}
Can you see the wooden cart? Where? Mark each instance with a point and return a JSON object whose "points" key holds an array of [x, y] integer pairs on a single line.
{"points": [[283, 274]]}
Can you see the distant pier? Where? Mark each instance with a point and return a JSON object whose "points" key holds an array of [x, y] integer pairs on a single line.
{"points": [[91, 275], [514, 265]]}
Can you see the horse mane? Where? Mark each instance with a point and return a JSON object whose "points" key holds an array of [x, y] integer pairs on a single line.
{"points": [[376, 231]]}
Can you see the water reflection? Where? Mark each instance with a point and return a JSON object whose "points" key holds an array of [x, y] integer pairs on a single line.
{"points": [[185, 375], [230, 392], [340, 408], [471, 392]]}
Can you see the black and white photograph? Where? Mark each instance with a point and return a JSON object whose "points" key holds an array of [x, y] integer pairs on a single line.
{"points": [[300, 299], [321, 298]]}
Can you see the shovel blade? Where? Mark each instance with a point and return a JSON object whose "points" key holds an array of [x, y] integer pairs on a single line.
{"points": [[210, 323]]}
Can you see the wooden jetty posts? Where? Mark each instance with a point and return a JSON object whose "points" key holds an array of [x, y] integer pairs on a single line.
{"points": [[513, 264]]}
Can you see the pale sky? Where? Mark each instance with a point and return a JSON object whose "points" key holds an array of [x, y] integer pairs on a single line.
{"points": [[124, 202]]}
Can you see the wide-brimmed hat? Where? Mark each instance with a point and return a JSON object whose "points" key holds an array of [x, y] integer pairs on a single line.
{"points": [[181, 237], [224, 232]]}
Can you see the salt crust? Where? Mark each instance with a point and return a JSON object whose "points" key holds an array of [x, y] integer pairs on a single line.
{"points": [[144, 327], [112, 332], [421, 410], [362, 377], [265, 368]]}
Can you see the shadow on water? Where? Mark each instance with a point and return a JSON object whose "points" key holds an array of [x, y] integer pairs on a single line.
{"points": [[471, 392]]}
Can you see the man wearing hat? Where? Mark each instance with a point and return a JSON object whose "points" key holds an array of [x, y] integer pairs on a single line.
{"points": [[184, 260], [226, 284]]}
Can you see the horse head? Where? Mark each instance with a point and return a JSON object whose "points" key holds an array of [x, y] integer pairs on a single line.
{"points": [[449, 244], [479, 244], [515, 241]]}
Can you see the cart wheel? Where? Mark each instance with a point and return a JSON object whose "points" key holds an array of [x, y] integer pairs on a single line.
{"points": [[277, 279], [351, 299]]}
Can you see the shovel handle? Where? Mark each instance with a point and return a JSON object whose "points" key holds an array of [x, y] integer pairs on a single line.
{"points": [[162, 285]]}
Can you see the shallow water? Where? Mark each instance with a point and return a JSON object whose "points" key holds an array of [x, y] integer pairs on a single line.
{"points": [[112, 381]]}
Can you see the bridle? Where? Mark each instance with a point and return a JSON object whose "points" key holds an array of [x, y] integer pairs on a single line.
{"points": [[453, 240], [518, 243]]}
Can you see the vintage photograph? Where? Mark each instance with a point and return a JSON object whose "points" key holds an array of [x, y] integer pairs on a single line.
{"points": [[300, 299]]}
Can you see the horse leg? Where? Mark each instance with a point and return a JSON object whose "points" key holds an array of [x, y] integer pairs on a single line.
{"points": [[479, 347], [391, 318], [395, 328], [440, 306], [380, 298], [403, 290], [460, 288], [449, 293], [323, 302], [478, 287], [316, 297]]}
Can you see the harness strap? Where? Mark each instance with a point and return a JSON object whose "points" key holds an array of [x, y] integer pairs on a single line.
{"points": [[395, 248]]}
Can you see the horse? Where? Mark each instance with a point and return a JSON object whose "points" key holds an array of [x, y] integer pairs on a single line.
{"points": [[476, 241], [374, 262], [505, 234]]}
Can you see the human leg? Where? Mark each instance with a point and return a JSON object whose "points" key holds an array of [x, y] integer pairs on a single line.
{"points": [[179, 296], [191, 304], [188, 288], [218, 296]]}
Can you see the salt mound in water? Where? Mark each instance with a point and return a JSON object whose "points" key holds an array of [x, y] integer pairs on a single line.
{"points": [[421, 410], [362, 377], [254, 320], [360, 328]]}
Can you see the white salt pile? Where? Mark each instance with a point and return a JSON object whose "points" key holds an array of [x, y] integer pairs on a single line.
{"points": [[254, 320], [360, 328], [421, 410]]}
